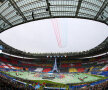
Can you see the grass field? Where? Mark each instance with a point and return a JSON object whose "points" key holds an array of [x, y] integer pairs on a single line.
{"points": [[59, 78]]}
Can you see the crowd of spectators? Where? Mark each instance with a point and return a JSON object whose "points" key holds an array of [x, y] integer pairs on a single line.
{"points": [[101, 86], [9, 84]]}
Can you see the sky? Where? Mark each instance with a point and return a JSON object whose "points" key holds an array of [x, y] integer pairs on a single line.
{"points": [[56, 35]]}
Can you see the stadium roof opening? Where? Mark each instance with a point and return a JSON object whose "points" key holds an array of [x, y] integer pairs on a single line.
{"points": [[57, 35]]}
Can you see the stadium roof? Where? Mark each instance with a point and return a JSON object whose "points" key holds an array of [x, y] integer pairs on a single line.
{"points": [[16, 12]]}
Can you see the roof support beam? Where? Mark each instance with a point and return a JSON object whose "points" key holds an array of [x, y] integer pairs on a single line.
{"points": [[101, 9], [33, 15], [5, 20], [48, 7], [13, 3], [1, 30], [78, 8], [106, 19]]}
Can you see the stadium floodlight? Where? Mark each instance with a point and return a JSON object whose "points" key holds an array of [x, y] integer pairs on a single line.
{"points": [[0, 51], [50, 56], [54, 56], [61, 56], [65, 56], [1, 48]]}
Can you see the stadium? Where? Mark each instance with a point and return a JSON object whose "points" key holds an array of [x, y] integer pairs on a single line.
{"points": [[54, 63]]}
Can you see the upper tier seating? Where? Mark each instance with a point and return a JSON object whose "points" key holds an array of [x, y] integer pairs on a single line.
{"points": [[15, 63]]}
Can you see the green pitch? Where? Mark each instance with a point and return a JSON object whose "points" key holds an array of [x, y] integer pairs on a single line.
{"points": [[59, 78]]}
